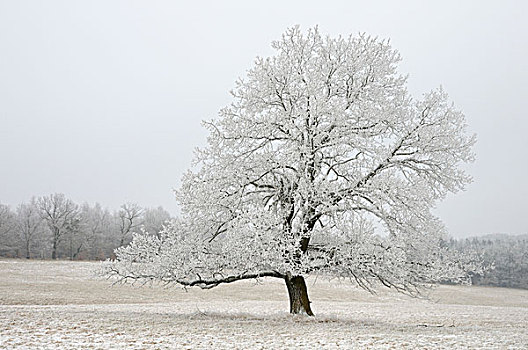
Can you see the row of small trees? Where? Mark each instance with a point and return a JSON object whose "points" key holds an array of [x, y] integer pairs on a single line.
{"points": [[56, 227], [505, 256]]}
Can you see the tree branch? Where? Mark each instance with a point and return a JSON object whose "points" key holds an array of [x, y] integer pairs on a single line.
{"points": [[208, 284]]}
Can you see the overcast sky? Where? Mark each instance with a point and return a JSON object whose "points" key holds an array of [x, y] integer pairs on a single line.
{"points": [[102, 100]]}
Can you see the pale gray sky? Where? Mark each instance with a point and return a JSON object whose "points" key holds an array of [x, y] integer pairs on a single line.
{"points": [[102, 100]]}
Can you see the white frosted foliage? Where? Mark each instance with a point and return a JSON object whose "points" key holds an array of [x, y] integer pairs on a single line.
{"points": [[322, 164]]}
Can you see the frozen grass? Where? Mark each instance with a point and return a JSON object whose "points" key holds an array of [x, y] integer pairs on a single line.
{"points": [[59, 305]]}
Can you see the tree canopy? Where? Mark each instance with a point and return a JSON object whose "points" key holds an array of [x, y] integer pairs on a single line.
{"points": [[323, 163]]}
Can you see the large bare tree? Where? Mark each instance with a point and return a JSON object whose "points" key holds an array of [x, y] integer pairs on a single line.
{"points": [[323, 163]]}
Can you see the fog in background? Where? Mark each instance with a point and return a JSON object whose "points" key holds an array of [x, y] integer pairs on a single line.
{"points": [[102, 100]]}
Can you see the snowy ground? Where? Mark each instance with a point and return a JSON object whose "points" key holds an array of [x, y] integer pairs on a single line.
{"points": [[58, 305]]}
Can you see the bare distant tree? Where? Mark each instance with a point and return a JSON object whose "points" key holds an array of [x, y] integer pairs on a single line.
{"points": [[29, 222], [6, 220], [61, 215], [97, 227], [76, 237], [154, 219], [129, 218], [7, 230]]}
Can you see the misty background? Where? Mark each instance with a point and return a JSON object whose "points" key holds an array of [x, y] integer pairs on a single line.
{"points": [[103, 100]]}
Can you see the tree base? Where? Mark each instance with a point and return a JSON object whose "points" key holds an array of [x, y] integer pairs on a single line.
{"points": [[298, 293]]}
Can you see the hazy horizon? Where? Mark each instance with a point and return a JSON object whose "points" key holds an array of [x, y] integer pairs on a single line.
{"points": [[103, 101]]}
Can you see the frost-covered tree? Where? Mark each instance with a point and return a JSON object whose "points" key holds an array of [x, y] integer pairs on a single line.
{"points": [[29, 224], [8, 239], [322, 164], [129, 218], [154, 219], [61, 215], [505, 256], [98, 226]]}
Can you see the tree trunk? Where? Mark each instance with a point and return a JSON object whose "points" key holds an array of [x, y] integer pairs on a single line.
{"points": [[71, 248], [54, 251], [28, 253], [56, 237], [299, 302]]}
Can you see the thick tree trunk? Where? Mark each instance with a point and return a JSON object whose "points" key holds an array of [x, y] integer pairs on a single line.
{"points": [[299, 302]]}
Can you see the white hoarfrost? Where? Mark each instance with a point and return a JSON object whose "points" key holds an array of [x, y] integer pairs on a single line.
{"points": [[322, 164], [56, 305]]}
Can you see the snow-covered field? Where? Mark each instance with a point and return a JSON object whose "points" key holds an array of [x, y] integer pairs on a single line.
{"points": [[59, 305]]}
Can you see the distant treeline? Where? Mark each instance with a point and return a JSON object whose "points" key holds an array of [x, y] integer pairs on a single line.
{"points": [[505, 258], [56, 227]]}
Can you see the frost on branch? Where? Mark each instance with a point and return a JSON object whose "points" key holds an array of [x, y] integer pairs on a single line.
{"points": [[323, 163]]}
